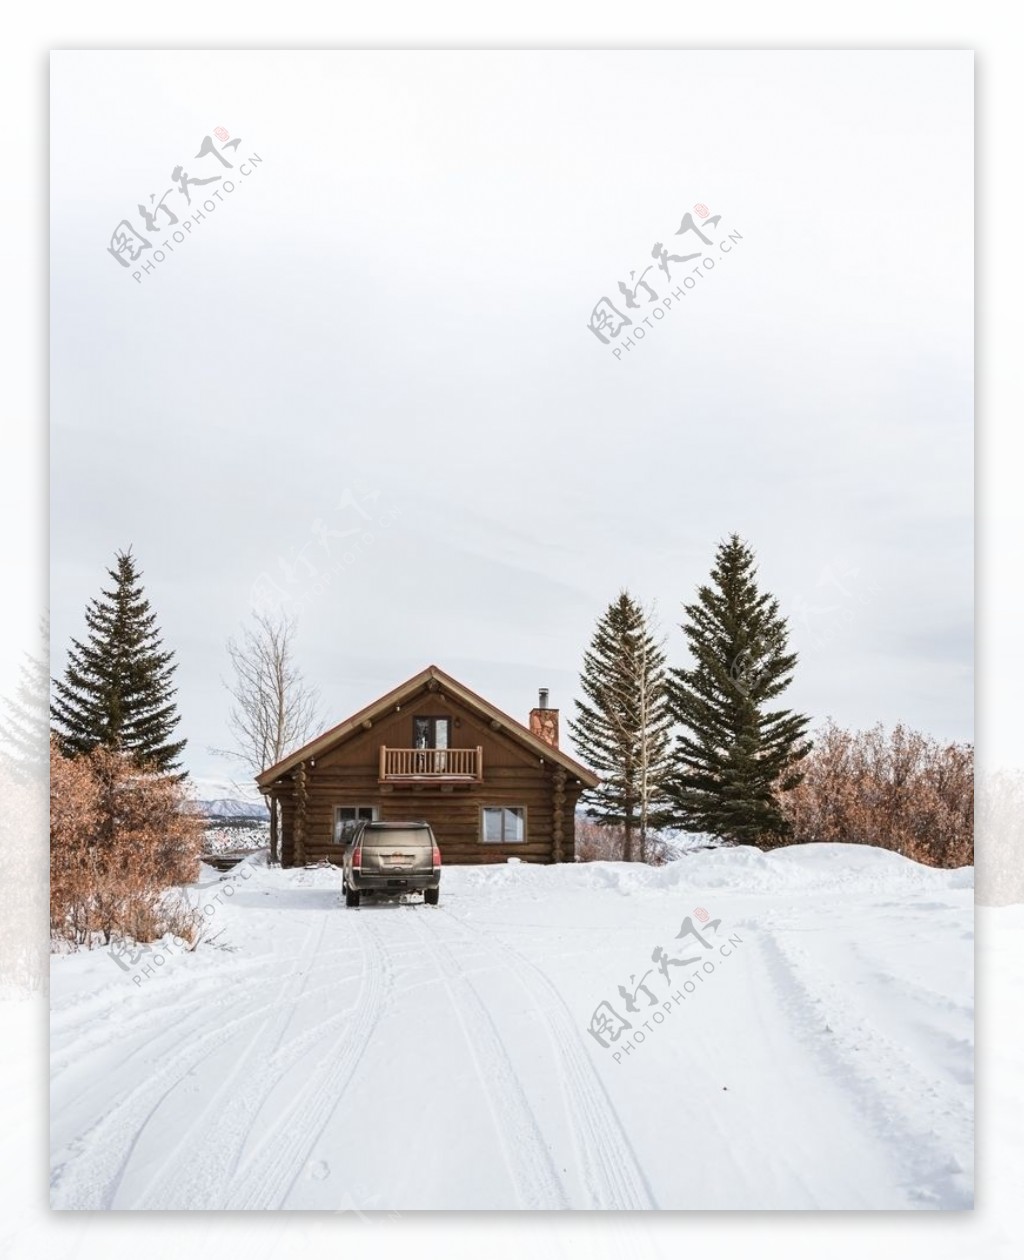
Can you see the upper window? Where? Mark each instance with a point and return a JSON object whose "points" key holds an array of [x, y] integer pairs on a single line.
{"points": [[503, 824], [431, 732]]}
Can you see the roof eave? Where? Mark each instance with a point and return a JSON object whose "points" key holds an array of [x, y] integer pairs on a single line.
{"points": [[336, 734]]}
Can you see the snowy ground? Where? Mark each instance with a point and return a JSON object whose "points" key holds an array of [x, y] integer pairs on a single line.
{"points": [[403, 1057], [235, 837]]}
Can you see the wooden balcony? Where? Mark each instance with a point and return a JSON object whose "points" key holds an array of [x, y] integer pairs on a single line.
{"points": [[420, 766]]}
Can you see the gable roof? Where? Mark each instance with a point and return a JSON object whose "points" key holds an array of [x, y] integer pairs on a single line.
{"points": [[412, 686]]}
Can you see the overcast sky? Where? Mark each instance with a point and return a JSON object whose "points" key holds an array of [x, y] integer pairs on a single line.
{"points": [[364, 386]]}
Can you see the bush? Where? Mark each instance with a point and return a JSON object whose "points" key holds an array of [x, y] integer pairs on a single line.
{"points": [[606, 842], [900, 790], [120, 837]]}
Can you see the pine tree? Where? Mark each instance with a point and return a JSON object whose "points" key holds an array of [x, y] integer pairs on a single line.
{"points": [[623, 727], [117, 690], [735, 754], [24, 725]]}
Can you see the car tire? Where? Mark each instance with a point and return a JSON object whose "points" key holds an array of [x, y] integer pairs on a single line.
{"points": [[351, 897], [431, 895]]}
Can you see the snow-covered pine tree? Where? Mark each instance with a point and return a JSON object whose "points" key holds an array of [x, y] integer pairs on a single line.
{"points": [[735, 754], [24, 721], [117, 691], [622, 729]]}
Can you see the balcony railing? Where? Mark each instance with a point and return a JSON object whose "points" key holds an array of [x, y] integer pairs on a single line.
{"points": [[431, 764]]}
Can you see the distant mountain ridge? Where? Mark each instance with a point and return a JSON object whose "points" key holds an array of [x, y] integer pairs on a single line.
{"points": [[226, 798]]}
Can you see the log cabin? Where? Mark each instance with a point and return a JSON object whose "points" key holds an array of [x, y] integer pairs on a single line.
{"points": [[490, 787]]}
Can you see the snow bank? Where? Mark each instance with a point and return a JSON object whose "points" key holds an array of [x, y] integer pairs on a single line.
{"points": [[742, 869]]}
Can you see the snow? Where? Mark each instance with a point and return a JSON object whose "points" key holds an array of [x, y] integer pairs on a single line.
{"points": [[236, 838], [404, 1057]]}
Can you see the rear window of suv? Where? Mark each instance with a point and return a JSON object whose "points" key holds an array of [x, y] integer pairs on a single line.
{"points": [[388, 837]]}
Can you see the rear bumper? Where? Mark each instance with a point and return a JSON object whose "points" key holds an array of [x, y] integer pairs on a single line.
{"points": [[413, 881]]}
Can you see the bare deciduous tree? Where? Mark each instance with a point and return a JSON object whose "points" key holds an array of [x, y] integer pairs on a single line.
{"points": [[274, 711]]}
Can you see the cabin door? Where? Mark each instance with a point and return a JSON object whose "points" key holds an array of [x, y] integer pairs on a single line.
{"points": [[434, 733]]}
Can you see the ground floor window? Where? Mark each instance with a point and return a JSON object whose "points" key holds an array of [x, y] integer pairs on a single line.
{"points": [[346, 817], [503, 824]]}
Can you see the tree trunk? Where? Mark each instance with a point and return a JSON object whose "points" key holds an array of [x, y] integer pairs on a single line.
{"points": [[299, 832], [273, 832]]}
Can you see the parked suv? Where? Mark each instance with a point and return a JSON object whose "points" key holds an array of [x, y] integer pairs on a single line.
{"points": [[391, 858]]}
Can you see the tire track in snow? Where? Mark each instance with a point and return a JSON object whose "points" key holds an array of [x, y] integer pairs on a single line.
{"points": [[612, 1173], [95, 1162], [100, 1036], [150, 1022], [90, 1168], [77, 1017], [266, 1179], [862, 1059], [527, 1155], [199, 1180]]}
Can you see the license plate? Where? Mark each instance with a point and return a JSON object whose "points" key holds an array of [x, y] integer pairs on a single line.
{"points": [[397, 859]]}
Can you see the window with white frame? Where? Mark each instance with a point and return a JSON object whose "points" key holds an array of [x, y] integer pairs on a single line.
{"points": [[346, 817], [503, 824]]}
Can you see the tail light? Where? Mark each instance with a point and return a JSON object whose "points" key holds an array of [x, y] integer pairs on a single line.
{"points": [[357, 857], [435, 856]]}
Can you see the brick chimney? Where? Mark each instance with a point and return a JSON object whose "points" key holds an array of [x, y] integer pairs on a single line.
{"points": [[544, 720]]}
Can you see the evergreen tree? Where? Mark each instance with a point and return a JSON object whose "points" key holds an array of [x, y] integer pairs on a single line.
{"points": [[24, 725], [623, 727], [735, 754], [117, 689]]}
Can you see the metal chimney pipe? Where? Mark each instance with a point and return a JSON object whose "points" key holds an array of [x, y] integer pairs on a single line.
{"points": [[543, 698]]}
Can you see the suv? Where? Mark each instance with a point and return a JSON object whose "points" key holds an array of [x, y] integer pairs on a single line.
{"points": [[391, 858]]}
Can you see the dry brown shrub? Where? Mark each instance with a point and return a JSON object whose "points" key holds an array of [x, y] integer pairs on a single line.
{"points": [[121, 836], [604, 842], [900, 790], [597, 843]]}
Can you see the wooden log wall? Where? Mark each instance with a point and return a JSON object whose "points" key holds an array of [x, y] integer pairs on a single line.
{"points": [[513, 775]]}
